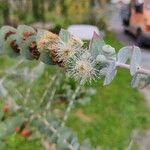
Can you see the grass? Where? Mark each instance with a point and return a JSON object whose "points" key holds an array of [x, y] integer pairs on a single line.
{"points": [[17, 142], [115, 112]]}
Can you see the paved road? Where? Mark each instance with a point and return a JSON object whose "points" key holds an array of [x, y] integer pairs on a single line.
{"points": [[116, 26]]}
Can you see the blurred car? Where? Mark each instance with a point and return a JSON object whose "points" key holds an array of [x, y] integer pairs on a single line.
{"points": [[136, 20], [85, 32]]}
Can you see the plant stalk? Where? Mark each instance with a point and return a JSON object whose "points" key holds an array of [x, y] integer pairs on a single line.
{"points": [[140, 69], [70, 105]]}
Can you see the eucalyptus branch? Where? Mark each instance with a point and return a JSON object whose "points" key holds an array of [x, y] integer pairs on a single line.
{"points": [[13, 68], [51, 99], [54, 130], [48, 86], [67, 51], [70, 105], [141, 70]]}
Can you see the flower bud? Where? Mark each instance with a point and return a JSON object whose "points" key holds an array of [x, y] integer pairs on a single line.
{"points": [[26, 133], [17, 130], [6, 108], [86, 55], [100, 58], [108, 49]]}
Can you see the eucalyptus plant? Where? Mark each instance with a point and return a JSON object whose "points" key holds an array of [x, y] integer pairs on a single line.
{"points": [[67, 51], [98, 61], [35, 114]]}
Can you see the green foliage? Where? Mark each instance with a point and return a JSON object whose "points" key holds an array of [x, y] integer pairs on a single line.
{"points": [[3, 32], [116, 111], [5, 11], [16, 142], [98, 61], [37, 115], [45, 11]]}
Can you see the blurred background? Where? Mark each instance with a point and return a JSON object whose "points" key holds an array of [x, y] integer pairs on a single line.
{"points": [[115, 112], [53, 14]]}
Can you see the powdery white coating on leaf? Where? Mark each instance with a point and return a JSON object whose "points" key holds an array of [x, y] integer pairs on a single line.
{"points": [[111, 73], [23, 32], [124, 54], [24, 48], [96, 45], [3, 90], [136, 80], [7, 46], [3, 31], [108, 49], [45, 58], [101, 59], [135, 60], [40, 34]]}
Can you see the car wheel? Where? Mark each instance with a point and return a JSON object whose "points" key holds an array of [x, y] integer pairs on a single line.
{"points": [[125, 31], [139, 39]]}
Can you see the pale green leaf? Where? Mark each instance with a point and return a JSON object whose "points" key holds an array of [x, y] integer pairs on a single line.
{"points": [[86, 145], [7, 46], [64, 35], [3, 31], [111, 73], [40, 34], [21, 30], [135, 60], [136, 80], [124, 54], [24, 48], [45, 58], [96, 45]]}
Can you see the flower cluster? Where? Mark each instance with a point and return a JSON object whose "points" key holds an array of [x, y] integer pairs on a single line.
{"points": [[64, 50], [83, 68], [69, 52]]}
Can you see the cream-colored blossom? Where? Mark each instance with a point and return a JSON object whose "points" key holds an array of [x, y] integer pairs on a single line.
{"points": [[66, 51], [83, 69]]}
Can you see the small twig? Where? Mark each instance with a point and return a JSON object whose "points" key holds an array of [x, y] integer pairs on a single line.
{"points": [[140, 69], [47, 89], [70, 105], [13, 67], [51, 99], [130, 145], [27, 95], [54, 130]]}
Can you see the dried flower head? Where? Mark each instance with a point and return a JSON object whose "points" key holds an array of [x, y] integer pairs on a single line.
{"points": [[48, 42], [68, 50]]}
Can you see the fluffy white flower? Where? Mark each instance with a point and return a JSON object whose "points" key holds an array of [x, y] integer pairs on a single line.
{"points": [[83, 69], [68, 50], [108, 49]]}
